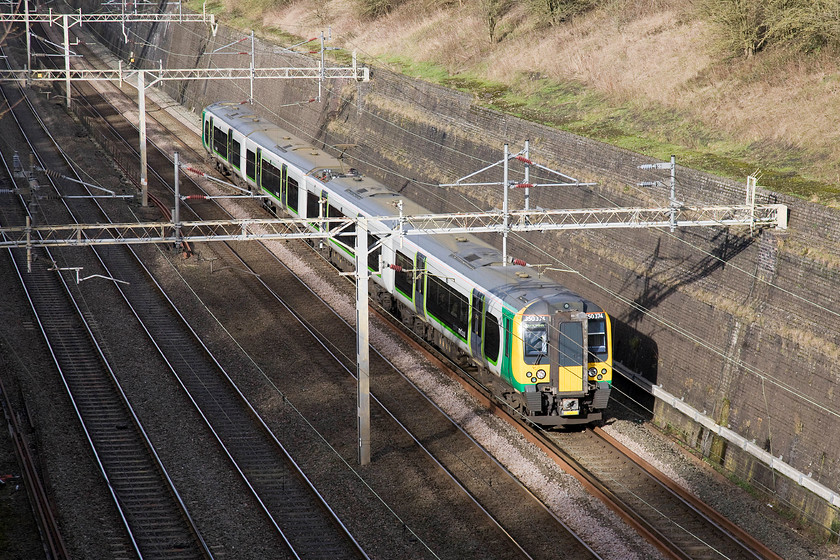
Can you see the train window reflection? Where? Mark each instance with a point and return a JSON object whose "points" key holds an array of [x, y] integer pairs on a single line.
{"points": [[535, 340]]}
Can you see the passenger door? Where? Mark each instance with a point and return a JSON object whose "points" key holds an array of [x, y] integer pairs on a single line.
{"points": [[569, 362], [258, 178], [419, 285], [476, 321]]}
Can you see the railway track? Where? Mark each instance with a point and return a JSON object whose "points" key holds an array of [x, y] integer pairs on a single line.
{"points": [[697, 544], [156, 521], [304, 522], [294, 297], [45, 518], [679, 524], [517, 524]]}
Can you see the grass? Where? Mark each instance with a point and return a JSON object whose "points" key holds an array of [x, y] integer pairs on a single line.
{"points": [[705, 115], [656, 131]]}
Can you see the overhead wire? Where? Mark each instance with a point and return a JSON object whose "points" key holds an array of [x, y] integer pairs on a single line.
{"points": [[432, 190], [721, 353]]}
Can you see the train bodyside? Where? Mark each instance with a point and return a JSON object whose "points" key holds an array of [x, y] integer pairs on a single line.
{"points": [[452, 290]]}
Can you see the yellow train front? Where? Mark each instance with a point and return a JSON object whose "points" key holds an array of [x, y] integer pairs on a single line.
{"points": [[560, 362]]}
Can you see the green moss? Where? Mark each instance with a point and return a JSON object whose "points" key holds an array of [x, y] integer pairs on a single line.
{"points": [[423, 70], [660, 132]]}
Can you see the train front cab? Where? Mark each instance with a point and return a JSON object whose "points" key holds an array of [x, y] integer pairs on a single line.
{"points": [[562, 366]]}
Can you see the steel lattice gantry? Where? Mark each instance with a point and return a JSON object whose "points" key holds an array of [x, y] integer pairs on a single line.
{"points": [[174, 232], [770, 215]]}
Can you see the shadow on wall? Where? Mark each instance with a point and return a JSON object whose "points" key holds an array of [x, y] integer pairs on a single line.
{"points": [[639, 353], [661, 277], [658, 280]]}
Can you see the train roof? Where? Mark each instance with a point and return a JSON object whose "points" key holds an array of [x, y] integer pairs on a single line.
{"points": [[470, 256]]}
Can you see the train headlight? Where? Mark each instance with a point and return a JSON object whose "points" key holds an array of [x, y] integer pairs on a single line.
{"points": [[533, 380], [600, 377], [593, 372], [604, 372], [541, 374]]}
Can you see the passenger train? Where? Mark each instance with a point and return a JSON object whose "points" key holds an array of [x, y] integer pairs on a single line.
{"points": [[544, 349]]}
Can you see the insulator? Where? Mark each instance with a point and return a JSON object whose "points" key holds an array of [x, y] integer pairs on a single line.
{"points": [[524, 160], [519, 262], [396, 267], [523, 185]]}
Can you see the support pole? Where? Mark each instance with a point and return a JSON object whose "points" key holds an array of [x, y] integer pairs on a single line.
{"points": [[66, 57], [673, 192], [321, 72], [141, 104], [28, 244], [253, 69], [176, 213], [28, 39], [505, 187], [362, 342], [752, 183], [527, 175]]}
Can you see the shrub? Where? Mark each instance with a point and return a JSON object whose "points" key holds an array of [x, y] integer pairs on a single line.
{"points": [[554, 12], [744, 27], [373, 9], [492, 11]]}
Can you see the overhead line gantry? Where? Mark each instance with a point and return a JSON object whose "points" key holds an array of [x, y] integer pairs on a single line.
{"points": [[319, 72], [175, 232]]}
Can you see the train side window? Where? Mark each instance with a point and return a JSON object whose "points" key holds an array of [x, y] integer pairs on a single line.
{"points": [[271, 178], [333, 212], [348, 235], [292, 194], [448, 305], [313, 205], [207, 133], [491, 338], [250, 165], [235, 151], [373, 256], [403, 279], [220, 139]]}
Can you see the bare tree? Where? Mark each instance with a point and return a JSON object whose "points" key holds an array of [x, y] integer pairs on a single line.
{"points": [[744, 27], [554, 12], [373, 9], [492, 12]]}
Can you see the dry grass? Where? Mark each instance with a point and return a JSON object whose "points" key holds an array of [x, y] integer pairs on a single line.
{"points": [[773, 111]]}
